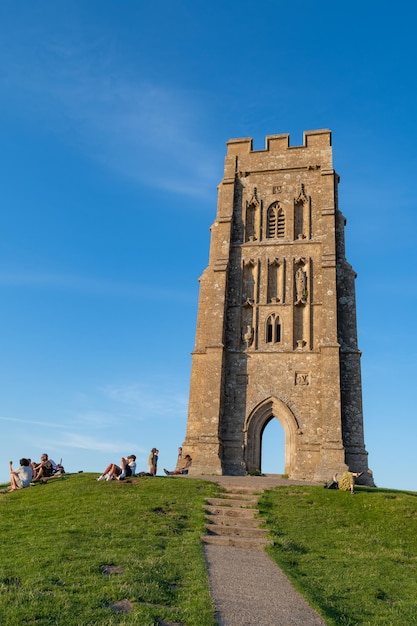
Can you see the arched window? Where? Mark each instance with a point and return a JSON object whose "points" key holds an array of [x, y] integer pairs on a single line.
{"points": [[281, 224], [272, 222], [273, 329], [275, 220]]}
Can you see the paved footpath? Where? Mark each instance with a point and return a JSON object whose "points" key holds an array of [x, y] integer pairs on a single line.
{"points": [[247, 587]]}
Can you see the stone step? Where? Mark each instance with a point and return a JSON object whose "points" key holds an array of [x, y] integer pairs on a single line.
{"points": [[227, 520], [230, 512], [248, 491], [225, 502], [237, 495], [236, 531], [237, 542], [231, 520]]}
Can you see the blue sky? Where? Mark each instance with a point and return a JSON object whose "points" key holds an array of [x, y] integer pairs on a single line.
{"points": [[114, 118]]}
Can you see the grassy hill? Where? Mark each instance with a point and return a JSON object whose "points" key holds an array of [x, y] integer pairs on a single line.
{"points": [[353, 557], [80, 552]]}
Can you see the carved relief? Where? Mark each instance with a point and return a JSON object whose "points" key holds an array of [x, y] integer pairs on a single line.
{"points": [[301, 215], [302, 378], [302, 195], [252, 218], [248, 286]]}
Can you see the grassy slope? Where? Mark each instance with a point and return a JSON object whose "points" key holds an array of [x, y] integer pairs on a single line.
{"points": [[353, 557], [58, 538]]}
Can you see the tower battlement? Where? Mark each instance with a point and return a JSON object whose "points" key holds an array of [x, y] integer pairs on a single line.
{"points": [[276, 144]]}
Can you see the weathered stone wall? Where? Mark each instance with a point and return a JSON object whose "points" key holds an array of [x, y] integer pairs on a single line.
{"points": [[276, 330]]}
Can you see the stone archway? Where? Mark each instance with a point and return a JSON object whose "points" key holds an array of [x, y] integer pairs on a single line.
{"points": [[256, 423]]}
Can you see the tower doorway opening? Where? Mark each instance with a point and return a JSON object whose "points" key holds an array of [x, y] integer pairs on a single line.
{"points": [[273, 448]]}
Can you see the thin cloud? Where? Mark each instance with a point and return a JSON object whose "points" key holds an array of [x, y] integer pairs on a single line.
{"points": [[79, 441], [31, 422], [89, 285], [141, 130], [147, 400]]}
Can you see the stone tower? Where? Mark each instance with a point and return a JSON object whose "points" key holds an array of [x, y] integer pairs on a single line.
{"points": [[276, 330]]}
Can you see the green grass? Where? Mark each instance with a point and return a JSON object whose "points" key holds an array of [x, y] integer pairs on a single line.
{"points": [[80, 552], [353, 557]]}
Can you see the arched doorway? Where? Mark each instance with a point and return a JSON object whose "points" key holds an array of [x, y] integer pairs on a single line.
{"points": [[255, 425], [273, 448]]}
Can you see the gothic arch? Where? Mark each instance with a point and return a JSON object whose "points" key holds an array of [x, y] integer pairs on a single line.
{"points": [[255, 424]]}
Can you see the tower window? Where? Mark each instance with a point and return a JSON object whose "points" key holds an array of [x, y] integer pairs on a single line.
{"points": [[269, 331], [272, 223], [275, 222], [281, 224], [273, 329]]}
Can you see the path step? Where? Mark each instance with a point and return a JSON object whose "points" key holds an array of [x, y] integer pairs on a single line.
{"points": [[229, 502], [231, 512], [226, 520], [238, 495], [237, 542], [236, 531], [231, 520]]}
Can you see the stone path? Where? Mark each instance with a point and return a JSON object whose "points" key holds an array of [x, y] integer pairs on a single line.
{"points": [[247, 587]]}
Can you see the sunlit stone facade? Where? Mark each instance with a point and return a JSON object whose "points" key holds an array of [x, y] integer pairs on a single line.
{"points": [[276, 331]]}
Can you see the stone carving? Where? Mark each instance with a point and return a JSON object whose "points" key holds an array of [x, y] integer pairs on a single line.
{"points": [[302, 378], [300, 286], [302, 195], [248, 336]]}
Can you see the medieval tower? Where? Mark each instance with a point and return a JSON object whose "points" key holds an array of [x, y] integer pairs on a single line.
{"points": [[276, 331]]}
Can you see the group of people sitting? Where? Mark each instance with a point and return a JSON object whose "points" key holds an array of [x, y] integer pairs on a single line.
{"points": [[30, 472], [127, 467]]}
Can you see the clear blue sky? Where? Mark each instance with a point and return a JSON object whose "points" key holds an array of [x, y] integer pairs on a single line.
{"points": [[114, 118]]}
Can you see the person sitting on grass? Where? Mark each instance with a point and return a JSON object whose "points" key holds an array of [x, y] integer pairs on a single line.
{"points": [[347, 481], [333, 483], [44, 469], [21, 477], [126, 468], [181, 470]]}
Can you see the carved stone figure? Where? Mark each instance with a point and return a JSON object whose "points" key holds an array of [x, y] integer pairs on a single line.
{"points": [[300, 286], [248, 336]]}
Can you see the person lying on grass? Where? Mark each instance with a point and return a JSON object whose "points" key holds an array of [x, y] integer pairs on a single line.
{"points": [[21, 477], [181, 470], [126, 468]]}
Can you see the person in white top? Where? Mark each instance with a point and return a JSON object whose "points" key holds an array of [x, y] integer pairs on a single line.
{"points": [[21, 477], [126, 468]]}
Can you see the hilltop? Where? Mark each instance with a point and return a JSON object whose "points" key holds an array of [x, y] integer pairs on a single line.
{"points": [[76, 551]]}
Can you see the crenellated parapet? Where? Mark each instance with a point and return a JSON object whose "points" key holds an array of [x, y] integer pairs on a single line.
{"points": [[276, 144], [314, 155]]}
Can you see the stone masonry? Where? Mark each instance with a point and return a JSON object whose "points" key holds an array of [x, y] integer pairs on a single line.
{"points": [[276, 331]]}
